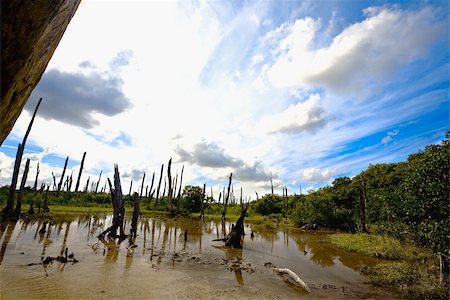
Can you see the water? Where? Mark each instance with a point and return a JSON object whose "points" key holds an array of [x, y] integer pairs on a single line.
{"points": [[163, 265]]}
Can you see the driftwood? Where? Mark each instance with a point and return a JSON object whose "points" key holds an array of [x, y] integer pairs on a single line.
{"points": [[296, 279], [119, 210], [235, 239], [77, 185]]}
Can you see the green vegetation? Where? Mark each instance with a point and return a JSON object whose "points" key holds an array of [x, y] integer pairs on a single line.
{"points": [[407, 215], [412, 272]]}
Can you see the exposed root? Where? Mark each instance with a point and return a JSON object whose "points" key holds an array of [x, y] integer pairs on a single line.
{"points": [[294, 277]]}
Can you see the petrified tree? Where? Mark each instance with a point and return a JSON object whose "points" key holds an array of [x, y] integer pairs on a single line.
{"points": [[119, 210]]}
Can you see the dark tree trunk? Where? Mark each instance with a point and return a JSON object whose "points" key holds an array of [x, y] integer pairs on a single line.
{"points": [[142, 185], [131, 185], [235, 239], [36, 179], [159, 185], [169, 192], [62, 176], [202, 208], [179, 190], [136, 212], [225, 202], [271, 185], [16, 213], [54, 182], [98, 182], [86, 188], [220, 196], [8, 210], [79, 173], [45, 205], [119, 211], [362, 204]]}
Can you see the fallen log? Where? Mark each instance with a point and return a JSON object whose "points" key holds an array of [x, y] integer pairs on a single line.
{"points": [[297, 280]]}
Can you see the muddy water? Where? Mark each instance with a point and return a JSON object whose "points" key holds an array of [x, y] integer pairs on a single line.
{"points": [[161, 264]]}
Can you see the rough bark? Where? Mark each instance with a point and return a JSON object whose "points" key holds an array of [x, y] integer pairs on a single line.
{"points": [[77, 185], [30, 33]]}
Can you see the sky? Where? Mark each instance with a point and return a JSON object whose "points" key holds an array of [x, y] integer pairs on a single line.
{"points": [[301, 92]]}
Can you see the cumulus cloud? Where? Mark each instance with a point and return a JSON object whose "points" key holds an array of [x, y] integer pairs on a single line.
{"points": [[317, 174], [363, 53], [304, 116], [73, 98], [389, 137], [211, 155]]}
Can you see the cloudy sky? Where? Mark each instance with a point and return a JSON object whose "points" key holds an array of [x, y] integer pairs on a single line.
{"points": [[300, 91]]}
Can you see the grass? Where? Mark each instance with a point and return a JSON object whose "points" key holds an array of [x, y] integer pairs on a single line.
{"points": [[409, 271]]}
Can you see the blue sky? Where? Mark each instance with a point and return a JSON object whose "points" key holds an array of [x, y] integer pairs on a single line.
{"points": [[300, 91]]}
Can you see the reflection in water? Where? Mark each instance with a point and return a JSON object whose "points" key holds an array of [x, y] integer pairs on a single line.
{"points": [[187, 239]]}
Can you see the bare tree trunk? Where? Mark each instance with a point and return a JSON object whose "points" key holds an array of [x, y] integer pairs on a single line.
{"points": [[150, 192], [235, 239], [69, 187], [136, 212], [220, 196], [36, 180], [86, 188], [179, 190], [16, 213], [202, 209], [98, 182], [362, 204], [119, 210], [169, 192], [142, 185], [159, 185], [224, 213], [79, 173], [175, 186], [257, 197], [131, 185], [240, 199], [62, 176], [45, 205], [271, 185], [8, 210], [54, 182]]}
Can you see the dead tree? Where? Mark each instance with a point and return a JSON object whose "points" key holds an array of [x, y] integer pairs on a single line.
{"points": [[271, 185], [235, 239], [16, 213], [202, 208], [86, 188], [142, 185], [79, 173], [45, 205], [159, 185], [150, 194], [54, 181], [257, 197], [220, 196], [225, 202], [36, 180], [131, 185], [169, 191], [179, 190], [62, 176], [136, 212], [119, 210], [240, 198], [8, 210], [362, 204], [69, 187], [98, 182]]}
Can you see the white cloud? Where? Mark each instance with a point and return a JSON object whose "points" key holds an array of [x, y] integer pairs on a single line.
{"points": [[362, 53], [389, 137], [317, 174], [304, 116]]}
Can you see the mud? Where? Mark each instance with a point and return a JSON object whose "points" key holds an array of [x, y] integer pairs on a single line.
{"points": [[173, 259]]}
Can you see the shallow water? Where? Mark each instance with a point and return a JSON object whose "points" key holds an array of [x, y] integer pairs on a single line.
{"points": [[162, 264]]}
